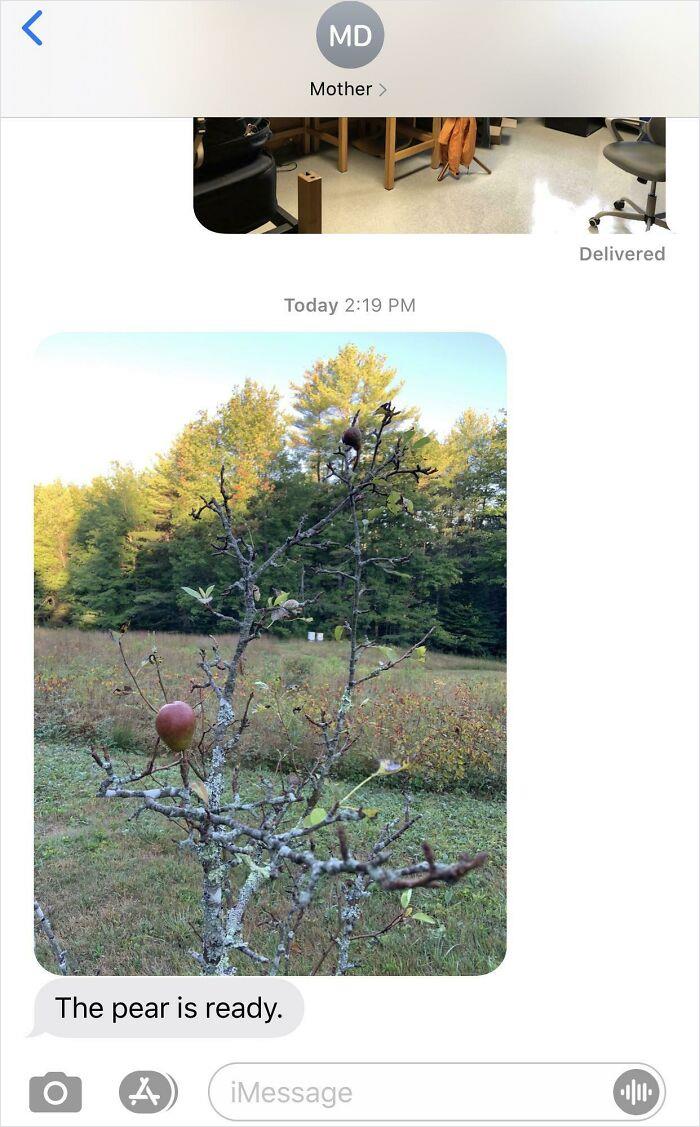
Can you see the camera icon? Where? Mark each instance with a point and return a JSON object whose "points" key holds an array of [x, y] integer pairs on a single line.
{"points": [[55, 1092]]}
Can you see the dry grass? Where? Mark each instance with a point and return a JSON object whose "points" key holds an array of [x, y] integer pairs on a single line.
{"points": [[83, 692]]}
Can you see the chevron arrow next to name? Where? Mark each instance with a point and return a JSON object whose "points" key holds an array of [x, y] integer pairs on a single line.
{"points": [[28, 28]]}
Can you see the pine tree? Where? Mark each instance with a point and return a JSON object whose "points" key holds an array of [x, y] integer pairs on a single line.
{"points": [[333, 391], [244, 435], [56, 512], [473, 610], [114, 525]]}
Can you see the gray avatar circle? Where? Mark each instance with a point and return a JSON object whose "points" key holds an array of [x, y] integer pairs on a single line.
{"points": [[145, 1092], [350, 34], [636, 1091]]}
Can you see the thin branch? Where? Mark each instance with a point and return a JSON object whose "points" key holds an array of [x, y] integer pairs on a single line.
{"points": [[386, 666], [59, 954], [144, 698], [155, 660]]}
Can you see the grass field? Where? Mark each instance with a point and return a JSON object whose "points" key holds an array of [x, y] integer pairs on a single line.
{"points": [[124, 900]]}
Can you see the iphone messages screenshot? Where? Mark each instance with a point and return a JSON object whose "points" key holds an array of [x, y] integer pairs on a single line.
{"points": [[350, 562]]}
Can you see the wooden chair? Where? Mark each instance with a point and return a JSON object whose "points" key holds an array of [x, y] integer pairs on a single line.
{"points": [[424, 141], [319, 130], [279, 136], [312, 131], [395, 130], [334, 131]]}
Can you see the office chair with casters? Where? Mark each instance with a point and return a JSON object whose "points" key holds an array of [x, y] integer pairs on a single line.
{"points": [[644, 158]]}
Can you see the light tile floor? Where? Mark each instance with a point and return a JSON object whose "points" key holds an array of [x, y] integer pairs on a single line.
{"points": [[543, 182]]}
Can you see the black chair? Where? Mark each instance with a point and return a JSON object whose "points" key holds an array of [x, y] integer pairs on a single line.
{"points": [[644, 158], [235, 178]]}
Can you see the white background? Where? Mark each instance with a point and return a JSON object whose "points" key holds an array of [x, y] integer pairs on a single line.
{"points": [[603, 799]]}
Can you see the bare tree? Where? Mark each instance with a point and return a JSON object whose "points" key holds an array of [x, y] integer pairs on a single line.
{"points": [[292, 834]]}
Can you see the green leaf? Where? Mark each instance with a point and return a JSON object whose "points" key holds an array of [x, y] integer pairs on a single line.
{"points": [[423, 918], [189, 591], [393, 498], [338, 633], [263, 870], [372, 514], [422, 442], [408, 504], [370, 812], [281, 598], [318, 814], [200, 790], [406, 897]]}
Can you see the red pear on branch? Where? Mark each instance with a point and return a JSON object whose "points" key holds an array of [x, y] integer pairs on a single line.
{"points": [[175, 724]]}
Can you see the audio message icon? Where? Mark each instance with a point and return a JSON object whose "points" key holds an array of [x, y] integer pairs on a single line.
{"points": [[636, 1091]]}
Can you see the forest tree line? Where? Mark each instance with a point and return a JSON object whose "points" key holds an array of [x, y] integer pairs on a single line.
{"points": [[122, 548]]}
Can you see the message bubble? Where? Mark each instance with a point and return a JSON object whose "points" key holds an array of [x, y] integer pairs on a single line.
{"points": [[433, 1092], [152, 1007]]}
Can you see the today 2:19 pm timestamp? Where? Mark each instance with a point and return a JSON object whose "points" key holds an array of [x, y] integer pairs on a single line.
{"points": [[331, 306]]}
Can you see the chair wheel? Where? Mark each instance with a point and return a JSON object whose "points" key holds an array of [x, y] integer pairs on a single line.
{"points": [[594, 222], [619, 205]]}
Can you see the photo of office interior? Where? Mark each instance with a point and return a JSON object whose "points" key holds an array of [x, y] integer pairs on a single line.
{"points": [[499, 175]]}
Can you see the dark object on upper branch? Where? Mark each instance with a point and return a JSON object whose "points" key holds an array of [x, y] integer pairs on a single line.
{"points": [[352, 437]]}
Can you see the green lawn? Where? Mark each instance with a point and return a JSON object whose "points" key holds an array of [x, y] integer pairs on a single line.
{"points": [[124, 900]]}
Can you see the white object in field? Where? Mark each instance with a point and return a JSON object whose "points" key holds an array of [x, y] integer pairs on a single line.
{"points": [[310, 636], [319, 637]]}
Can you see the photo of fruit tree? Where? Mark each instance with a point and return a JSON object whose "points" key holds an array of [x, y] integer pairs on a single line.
{"points": [[270, 686]]}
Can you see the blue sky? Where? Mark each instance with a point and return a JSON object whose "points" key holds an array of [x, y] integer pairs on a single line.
{"points": [[124, 396]]}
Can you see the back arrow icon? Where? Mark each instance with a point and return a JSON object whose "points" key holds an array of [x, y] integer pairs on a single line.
{"points": [[28, 28]]}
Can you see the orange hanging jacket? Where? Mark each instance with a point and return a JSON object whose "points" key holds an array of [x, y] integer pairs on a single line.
{"points": [[457, 142]]}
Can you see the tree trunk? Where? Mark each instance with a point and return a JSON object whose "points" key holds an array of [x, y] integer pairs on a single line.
{"points": [[214, 869], [215, 957]]}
